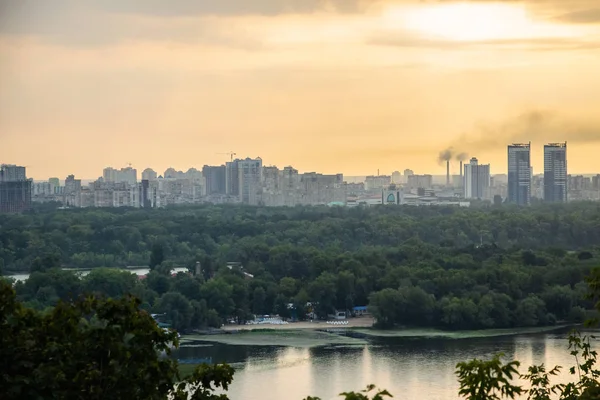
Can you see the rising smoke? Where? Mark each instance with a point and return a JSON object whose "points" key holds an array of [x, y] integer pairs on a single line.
{"points": [[533, 126], [462, 156], [446, 155], [450, 154]]}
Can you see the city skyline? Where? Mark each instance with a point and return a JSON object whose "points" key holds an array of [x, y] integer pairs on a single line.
{"points": [[334, 86], [457, 162]]}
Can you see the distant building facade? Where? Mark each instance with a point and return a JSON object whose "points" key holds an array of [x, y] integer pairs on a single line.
{"points": [[476, 180], [377, 182], [215, 180], [419, 181], [127, 175], [519, 174], [555, 173], [72, 192], [15, 189], [149, 175]]}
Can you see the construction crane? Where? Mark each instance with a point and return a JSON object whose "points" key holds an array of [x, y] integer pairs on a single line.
{"points": [[230, 154]]}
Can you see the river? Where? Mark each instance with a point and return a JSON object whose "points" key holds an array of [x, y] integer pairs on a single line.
{"points": [[139, 271], [408, 368]]}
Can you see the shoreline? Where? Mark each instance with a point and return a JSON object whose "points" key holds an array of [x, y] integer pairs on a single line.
{"points": [[327, 335], [432, 333]]}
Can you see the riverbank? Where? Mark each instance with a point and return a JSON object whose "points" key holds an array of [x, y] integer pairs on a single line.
{"points": [[359, 322], [304, 338], [417, 333], [327, 335]]}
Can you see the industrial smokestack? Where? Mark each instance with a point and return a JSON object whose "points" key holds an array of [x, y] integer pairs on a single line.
{"points": [[448, 173], [461, 168]]}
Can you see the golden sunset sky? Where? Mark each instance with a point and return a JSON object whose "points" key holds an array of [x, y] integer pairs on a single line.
{"points": [[331, 86]]}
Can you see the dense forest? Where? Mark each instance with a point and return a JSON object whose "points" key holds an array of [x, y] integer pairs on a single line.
{"points": [[454, 268]]}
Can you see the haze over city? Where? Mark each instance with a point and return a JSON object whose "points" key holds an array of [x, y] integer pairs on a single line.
{"points": [[330, 86]]}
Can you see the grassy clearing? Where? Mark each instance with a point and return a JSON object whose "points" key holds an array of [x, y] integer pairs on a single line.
{"points": [[434, 333], [292, 338]]}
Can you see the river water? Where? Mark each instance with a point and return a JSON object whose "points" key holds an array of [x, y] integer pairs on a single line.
{"points": [[408, 368], [139, 271]]}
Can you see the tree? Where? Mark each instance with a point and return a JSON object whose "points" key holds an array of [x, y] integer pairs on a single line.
{"points": [[94, 349], [258, 301], [385, 307], [187, 285], [483, 380], [157, 255], [218, 294], [158, 282], [199, 314], [530, 311], [177, 308], [280, 307], [45, 263], [287, 286], [488, 380], [109, 282], [362, 395]]}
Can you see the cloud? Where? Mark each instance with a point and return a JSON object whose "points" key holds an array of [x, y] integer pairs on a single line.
{"points": [[80, 24], [586, 16], [534, 44], [533, 126], [177, 8]]}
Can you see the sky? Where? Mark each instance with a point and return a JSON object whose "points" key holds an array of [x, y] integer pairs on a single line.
{"points": [[347, 86]]}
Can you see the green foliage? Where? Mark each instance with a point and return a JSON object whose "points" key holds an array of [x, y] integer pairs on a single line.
{"points": [[491, 380], [203, 382], [362, 395], [94, 349], [157, 256], [412, 266], [488, 380]]}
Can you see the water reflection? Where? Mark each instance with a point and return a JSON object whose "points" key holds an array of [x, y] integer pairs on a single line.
{"points": [[409, 369]]}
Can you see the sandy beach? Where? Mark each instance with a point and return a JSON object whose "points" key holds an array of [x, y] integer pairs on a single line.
{"points": [[360, 322]]}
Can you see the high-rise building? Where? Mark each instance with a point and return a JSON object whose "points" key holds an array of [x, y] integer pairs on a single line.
{"points": [[232, 178], [12, 173], [149, 175], [250, 180], [109, 174], [476, 179], [15, 189], [419, 181], [215, 181], [144, 195], [375, 183], [519, 173], [555, 172], [243, 178], [72, 192], [596, 182], [127, 175]]}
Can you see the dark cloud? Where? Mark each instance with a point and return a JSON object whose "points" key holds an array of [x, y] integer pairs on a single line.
{"points": [[587, 16], [533, 126], [177, 8], [74, 23]]}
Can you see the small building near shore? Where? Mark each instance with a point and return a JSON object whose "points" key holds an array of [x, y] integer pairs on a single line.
{"points": [[360, 310]]}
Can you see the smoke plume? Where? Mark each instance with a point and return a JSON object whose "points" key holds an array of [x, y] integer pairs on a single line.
{"points": [[462, 156], [532, 126], [446, 155]]}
